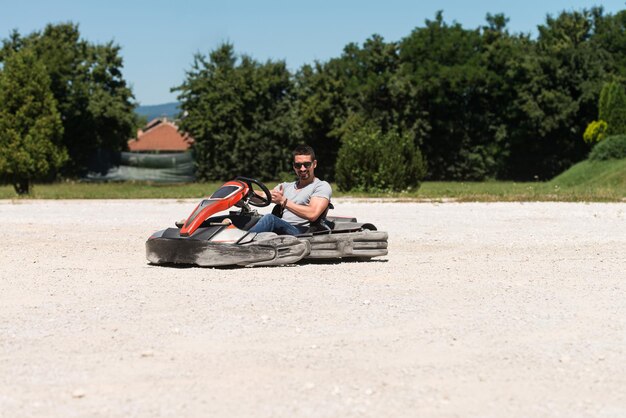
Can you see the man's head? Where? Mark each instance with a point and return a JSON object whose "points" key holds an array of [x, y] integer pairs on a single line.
{"points": [[304, 162]]}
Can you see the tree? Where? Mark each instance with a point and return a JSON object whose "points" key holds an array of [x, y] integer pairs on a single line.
{"points": [[95, 103], [30, 124], [321, 105], [369, 77], [612, 108], [359, 82], [558, 94], [241, 115], [445, 90], [478, 103], [609, 35]]}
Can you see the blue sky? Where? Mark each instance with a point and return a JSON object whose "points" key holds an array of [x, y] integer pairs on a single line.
{"points": [[159, 38]]}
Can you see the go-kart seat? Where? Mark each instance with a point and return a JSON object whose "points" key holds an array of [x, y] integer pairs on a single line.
{"points": [[319, 226]]}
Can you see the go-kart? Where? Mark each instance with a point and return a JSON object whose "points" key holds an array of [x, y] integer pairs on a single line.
{"points": [[208, 238]]}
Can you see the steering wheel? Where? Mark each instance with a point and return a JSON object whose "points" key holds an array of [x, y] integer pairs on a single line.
{"points": [[255, 199]]}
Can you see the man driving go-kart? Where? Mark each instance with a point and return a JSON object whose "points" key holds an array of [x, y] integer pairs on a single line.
{"points": [[224, 230], [302, 201]]}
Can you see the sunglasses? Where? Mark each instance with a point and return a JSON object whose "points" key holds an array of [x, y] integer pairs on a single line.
{"points": [[307, 164]]}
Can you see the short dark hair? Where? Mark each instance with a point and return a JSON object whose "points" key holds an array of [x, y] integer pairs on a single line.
{"points": [[304, 150]]}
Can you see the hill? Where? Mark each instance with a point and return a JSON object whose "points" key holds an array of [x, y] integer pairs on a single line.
{"points": [[588, 174], [170, 110]]}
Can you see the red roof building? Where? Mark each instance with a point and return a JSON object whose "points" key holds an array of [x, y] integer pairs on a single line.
{"points": [[160, 135]]}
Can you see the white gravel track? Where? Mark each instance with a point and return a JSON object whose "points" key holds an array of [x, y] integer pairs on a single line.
{"points": [[480, 309]]}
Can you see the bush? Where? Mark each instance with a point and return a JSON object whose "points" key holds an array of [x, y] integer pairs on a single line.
{"points": [[595, 132], [370, 160], [612, 148]]}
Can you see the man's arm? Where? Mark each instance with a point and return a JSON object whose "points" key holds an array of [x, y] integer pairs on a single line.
{"points": [[312, 211]]}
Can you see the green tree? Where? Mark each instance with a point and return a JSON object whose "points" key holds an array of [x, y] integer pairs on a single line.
{"points": [[369, 78], [30, 125], [478, 103], [95, 103], [321, 106], [612, 108], [609, 35], [241, 115], [445, 89], [557, 95], [357, 82]]}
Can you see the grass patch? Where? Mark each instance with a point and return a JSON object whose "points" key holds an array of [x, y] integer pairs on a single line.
{"points": [[497, 191], [590, 181], [123, 190], [501, 191]]}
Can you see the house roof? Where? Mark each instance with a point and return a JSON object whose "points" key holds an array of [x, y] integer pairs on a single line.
{"points": [[160, 135]]}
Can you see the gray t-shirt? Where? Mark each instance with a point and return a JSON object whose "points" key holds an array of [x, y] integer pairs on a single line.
{"points": [[318, 188]]}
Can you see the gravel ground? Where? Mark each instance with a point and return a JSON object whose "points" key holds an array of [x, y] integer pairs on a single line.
{"points": [[491, 310]]}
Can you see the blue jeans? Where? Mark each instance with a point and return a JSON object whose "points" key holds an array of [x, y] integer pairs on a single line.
{"points": [[272, 223]]}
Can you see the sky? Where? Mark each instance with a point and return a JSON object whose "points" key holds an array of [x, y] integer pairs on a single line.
{"points": [[159, 38]]}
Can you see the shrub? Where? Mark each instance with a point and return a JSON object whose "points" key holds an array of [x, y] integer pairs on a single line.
{"points": [[595, 132], [612, 148], [370, 160]]}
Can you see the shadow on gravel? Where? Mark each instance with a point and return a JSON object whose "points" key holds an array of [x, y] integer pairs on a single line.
{"points": [[299, 263], [190, 266], [340, 261]]}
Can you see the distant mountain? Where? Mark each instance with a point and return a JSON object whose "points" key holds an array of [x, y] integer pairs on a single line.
{"points": [[169, 110]]}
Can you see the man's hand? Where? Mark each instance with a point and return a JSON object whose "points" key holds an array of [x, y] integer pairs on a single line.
{"points": [[277, 196]]}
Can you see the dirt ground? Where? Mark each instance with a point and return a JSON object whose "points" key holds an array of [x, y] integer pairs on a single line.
{"points": [[491, 310]]}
